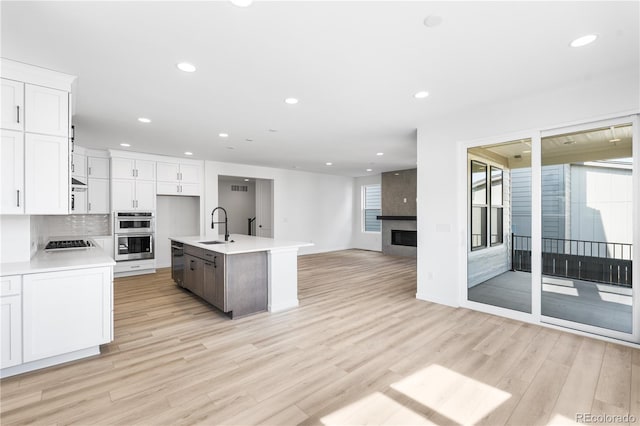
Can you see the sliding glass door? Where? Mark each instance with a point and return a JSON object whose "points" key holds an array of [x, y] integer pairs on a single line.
{"points": [[499, 218], [587, 222]]}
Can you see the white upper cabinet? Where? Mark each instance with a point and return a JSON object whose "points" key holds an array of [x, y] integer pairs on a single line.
{"points": [[129, 168], [130, 194], [190, 173], [46, 172], [98, 196], [12, 164], [12, 105], [79, 165], [47, 110], [145, 170], [167, 172], [98, 167], [178, 178], [145, 195]]}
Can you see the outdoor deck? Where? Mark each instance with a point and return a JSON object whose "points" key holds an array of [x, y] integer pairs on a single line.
{"points": [[584, 302]]}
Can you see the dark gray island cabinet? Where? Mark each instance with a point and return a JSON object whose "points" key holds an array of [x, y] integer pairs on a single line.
{"points": [[234, 283]]}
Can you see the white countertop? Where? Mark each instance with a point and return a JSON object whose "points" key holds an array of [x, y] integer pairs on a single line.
{"points": [[51, 261], [240, 244]]}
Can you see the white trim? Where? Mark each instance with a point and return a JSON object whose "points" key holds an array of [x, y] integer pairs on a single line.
{"points": [[48, 362], [38, 76]]}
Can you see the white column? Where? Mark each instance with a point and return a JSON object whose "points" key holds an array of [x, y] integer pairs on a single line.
{"points": [[283, 279]]}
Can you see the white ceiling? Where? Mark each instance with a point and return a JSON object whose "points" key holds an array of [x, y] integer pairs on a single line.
{"points": [[354, 66]]}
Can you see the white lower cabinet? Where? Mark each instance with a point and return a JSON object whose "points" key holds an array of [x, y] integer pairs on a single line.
{"points": [[66, 311], [10, 321]]}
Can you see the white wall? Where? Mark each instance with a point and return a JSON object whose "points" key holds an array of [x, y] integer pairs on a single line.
{"points": [[364, 240], [441, 223], [239, 205], [175, 216], [15, 238], [311, 207]]}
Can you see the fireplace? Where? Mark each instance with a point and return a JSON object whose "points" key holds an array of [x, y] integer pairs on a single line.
{"points": [[404, 238]]}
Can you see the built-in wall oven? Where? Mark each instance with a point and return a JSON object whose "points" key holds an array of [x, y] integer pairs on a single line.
{"points": [[134, 235]]}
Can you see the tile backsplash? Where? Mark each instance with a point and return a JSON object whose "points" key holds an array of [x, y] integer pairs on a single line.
{"points": [[74, 225]]}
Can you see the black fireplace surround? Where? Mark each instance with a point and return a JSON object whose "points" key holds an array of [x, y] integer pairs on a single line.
{"points": [[404, 238]]}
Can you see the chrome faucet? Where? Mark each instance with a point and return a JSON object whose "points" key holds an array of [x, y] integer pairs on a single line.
{"points": [[226, 223]]}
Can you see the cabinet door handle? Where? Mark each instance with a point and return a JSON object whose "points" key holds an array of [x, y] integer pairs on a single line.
{"points": [[177, 188], [133, 172], [177, 176], [17, 197], [214, 261], [73, 168], [89, 207], [133, 203], [18, 114], [89, 171], [180, 175]]}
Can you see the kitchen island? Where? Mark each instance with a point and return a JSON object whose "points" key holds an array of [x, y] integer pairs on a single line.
{"points": [[245, 275]]}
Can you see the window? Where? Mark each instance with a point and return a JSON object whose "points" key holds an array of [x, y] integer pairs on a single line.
{"points": [[478, 205], [496, 206], [486, 205], [371, 207]]}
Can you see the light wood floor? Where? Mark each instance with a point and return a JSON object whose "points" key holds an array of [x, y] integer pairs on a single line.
{"points": [[359, 349]]}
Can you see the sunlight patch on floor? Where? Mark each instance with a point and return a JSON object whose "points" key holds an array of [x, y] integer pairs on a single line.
{"points": [[559, 289], [453, 395], [616, 298], [375, 409]]}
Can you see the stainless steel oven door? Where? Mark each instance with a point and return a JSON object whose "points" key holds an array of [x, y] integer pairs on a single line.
{"points": [[134, 246]]}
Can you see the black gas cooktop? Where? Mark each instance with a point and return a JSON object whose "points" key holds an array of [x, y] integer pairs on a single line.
{"points": [[67, 244]]}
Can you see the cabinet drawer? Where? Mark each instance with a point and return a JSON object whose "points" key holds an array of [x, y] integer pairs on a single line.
{"points": [[10, 285], [194, 251]]}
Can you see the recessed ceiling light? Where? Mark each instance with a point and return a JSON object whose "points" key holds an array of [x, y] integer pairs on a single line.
{"points": [[527, 151], [249, 140], [584, 40], [186, 67], [291, 101], [125, 144], [369, 170], [432, 21], [329, 164], [379, 154], [396, 174], [144, 120], [614, 140], [188, 153], [223, 135], [241, 3], [421, 95], [246, 180]]}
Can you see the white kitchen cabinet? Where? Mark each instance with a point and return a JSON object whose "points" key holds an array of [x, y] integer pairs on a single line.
{"points": [[66, 311], [98, 167], [10, 321], [47, 110], [129, 168], [46, 172], [130, 194], [79, 165], [79, 200], [12, 112], [177, 188], [98, 196], [178, 179], [12, 164]]}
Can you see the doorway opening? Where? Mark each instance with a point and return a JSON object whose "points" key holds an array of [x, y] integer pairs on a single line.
{"points": [[249, 204]]}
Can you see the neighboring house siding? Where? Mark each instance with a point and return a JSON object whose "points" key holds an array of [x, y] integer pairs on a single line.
{"points": [[554, 203], [601, 204]]}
